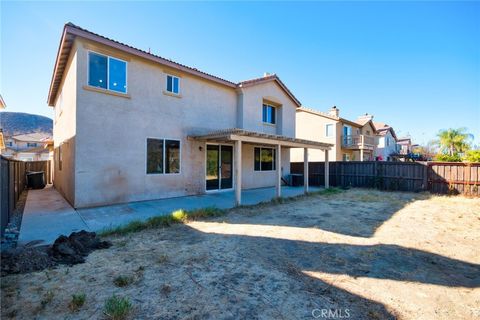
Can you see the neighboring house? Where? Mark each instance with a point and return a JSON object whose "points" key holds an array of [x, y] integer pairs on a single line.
{"points": [[352, 140], [131, 126], [386, 142], [2, 141], [26, 147], [405, 145]]}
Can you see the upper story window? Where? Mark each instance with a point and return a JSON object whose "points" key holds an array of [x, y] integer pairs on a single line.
{"points": [[9, 143], [31, 144], [107, 72], [329, 130], [268, 114], [173, 84]]}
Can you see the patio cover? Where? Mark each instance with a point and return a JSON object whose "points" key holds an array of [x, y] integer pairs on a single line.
{"points": [[260, 138], [239, 136]]}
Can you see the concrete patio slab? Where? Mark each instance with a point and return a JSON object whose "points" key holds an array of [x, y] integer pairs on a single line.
{"points": [[48, 215], [99, 218]]}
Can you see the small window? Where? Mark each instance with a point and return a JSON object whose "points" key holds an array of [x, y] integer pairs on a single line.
{"points": [[173, 84], [31, 144], [8, 143], [60, 158], [264, 159], [107, 72], [268, 114], [346, 157], [329, 130], [163, 156]]}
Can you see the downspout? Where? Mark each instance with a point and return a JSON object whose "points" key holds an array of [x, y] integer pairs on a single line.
{"points": [[239, 122]]}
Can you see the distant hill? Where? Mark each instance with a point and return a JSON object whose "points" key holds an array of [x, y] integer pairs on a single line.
{"points": [[14, 123]]}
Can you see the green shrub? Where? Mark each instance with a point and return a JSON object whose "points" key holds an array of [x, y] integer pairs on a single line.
{"points": [[117, 308], [448, 158], [47, 299], [472, 156], [78, 300], [122, 281]]}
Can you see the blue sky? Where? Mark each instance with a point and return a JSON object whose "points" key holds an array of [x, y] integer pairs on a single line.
{"points": [[413, 65]]}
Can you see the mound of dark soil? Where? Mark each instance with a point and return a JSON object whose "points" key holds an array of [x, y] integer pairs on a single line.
{"points": [[65, 250]]}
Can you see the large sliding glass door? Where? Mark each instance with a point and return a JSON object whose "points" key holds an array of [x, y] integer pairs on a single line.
{"points": [[219, 167]]}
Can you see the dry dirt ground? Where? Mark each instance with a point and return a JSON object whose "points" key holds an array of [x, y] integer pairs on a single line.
{"points": [[361, 254]]}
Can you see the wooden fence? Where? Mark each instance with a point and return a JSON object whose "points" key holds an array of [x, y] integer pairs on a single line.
{"points": [[13, 183], [436, 177]]}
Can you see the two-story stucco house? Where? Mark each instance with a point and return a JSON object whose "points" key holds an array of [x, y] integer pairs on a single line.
{"points": [[405, 145], [131, 126], [386, 142], [351, 140], [26, 147]]}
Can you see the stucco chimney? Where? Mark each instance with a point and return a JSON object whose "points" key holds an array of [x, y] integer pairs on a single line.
{"points": [[334, 111], [365, 118], [266, 74]]}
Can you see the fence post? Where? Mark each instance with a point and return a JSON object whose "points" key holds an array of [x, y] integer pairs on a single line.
{"points": [[425, 176]]}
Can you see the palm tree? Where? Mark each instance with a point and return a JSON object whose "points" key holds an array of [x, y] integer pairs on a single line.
{"points": [[453, 141]]}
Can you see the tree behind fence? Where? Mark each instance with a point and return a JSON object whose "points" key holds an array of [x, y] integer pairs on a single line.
{"points": [[436, 177]]}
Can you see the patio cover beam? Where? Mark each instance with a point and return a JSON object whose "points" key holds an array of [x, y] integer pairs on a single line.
{"points": [[261, 138]]}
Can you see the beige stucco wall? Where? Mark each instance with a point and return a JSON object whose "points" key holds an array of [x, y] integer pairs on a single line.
{"points": [[109, 139], [258, 179], [64, 130], [310, 126]]}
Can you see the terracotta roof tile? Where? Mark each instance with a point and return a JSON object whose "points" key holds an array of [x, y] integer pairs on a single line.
{"points": [[74, 30], [146, 52]]}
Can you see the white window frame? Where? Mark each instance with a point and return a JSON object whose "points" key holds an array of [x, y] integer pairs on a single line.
{"points": [[274, 108], [326, 130], [164, 151], [166, 84], [346, 156], [274, 164], [108, 72]]}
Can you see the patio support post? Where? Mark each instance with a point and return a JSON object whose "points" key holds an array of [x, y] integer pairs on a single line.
{"points": [[305, 170], [361, 154], [327, 171], [238, 173], [278, 165]]}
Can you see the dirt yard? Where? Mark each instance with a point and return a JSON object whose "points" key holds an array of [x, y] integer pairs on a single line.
{"points": [[359, 254]]}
